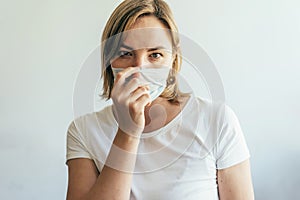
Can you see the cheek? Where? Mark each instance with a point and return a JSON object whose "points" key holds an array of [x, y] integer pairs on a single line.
{"points": [[120, 63], [168, 61]]}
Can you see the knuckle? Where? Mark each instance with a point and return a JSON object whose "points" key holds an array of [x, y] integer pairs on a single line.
{"points": [[144, 89], [119, 75], [135, 80], [134, 107]]}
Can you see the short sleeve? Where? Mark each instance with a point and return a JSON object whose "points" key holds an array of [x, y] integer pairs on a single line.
{"points": [[231, 147], [75, 144]]}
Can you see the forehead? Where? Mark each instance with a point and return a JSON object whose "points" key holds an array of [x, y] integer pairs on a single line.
{"points": [[147, 32]]}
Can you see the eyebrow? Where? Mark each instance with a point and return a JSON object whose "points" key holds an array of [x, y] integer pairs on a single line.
{"points": [[149, 49]]}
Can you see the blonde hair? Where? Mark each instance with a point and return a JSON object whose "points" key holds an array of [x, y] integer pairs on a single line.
{"points": [[124, 17]]}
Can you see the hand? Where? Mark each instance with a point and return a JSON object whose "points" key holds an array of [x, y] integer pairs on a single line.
{"points": [[129, 100]]}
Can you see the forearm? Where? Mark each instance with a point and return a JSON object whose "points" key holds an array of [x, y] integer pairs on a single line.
{"points": [[114, 181]]}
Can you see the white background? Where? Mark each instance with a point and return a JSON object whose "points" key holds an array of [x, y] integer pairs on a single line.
{"points": [[254, 44]]}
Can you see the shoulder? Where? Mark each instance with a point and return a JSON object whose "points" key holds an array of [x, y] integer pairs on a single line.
{"points": [[91, 120], [217, 120], [214, 111], [217, 108]]}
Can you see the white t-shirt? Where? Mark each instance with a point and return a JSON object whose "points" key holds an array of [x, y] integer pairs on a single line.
{"points": [[178, 161]]}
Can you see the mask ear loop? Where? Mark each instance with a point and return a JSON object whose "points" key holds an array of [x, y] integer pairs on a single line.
{"points": [[171, 80]]}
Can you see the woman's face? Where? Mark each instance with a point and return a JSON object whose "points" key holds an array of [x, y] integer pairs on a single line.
{"points": [[148, 42]]}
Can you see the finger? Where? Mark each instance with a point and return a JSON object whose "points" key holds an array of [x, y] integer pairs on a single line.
{"points": [[134, 84], [138, 93], [120, 79], [143, 100], [121, 76], [126, 90]]}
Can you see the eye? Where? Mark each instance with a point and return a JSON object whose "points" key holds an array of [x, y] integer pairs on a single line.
{"points": [[156, 55], [124, 54]]}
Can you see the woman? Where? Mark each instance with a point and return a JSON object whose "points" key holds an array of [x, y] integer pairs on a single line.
{"points": [[112, 154]]}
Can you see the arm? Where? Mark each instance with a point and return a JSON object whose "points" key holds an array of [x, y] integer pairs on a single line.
{"points": [[234, 183], [86, 183], [114, 181]]}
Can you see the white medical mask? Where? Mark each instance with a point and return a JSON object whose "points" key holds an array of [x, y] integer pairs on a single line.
{"points": [[154, 77]]}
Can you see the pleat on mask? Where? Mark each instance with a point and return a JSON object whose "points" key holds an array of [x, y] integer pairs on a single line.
{"points": [[154, 77]]}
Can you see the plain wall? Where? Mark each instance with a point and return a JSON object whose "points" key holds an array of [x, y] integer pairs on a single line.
{"points": [[255, 46]]}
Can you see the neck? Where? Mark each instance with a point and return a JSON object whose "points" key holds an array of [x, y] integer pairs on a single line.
{"points": [[160, 113]]}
